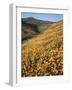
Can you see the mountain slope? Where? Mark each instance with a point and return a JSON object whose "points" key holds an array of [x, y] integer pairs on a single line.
{"points": [[43, 55], [32, 26]]}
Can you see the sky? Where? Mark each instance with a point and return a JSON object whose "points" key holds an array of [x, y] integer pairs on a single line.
{"points": [[43, 16]]}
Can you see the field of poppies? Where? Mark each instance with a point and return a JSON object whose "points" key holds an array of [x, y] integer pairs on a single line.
{"points": [[43, 55]]}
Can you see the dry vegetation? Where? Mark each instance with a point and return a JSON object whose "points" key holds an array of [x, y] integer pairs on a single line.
{"points": [[43, 55]]}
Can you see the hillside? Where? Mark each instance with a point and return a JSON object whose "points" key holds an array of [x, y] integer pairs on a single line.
{"points": [[42, 55], [31, 27]]}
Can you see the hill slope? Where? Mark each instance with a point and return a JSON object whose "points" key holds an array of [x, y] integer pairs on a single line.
{"points": [[43, 55], [32, 26]]}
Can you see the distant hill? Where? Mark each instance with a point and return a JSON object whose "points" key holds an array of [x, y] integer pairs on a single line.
{"points": [[31, 27], [35, 21]]}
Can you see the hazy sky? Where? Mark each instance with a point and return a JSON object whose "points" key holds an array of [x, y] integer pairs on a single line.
{"points": [[42, 16]]}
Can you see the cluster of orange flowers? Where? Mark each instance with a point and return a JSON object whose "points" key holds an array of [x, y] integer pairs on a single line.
{"points": [[42, 61]]}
